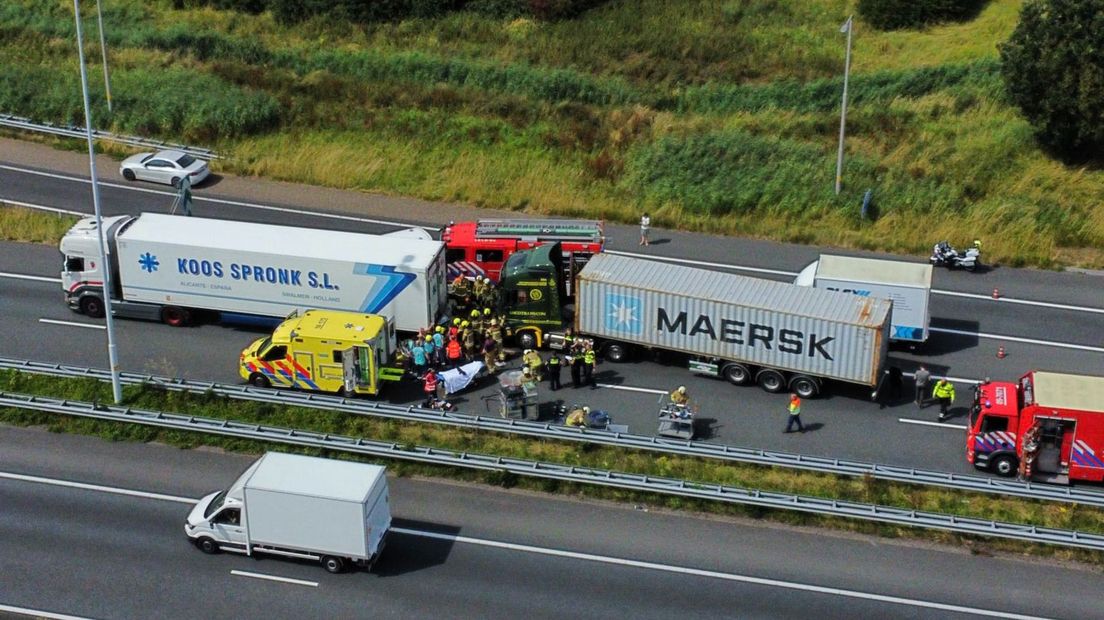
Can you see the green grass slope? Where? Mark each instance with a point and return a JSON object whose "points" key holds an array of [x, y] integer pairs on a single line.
{"points": [[718, 116]]}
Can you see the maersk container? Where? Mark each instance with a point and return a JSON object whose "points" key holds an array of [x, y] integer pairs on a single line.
{"points": [[907, 284], [733, 320], [165, 266]]}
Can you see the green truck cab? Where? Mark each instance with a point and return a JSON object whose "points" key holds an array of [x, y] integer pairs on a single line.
{"points": [[533, 297]]}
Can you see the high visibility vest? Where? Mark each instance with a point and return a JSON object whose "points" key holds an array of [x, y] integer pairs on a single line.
{"points": [[795, 406], [944, 390], [453, 350], [431, 382], [588, 358]]}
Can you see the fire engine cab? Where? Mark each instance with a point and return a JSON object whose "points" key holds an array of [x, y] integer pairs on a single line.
{"points": [[482, 247], [1049, 427]]}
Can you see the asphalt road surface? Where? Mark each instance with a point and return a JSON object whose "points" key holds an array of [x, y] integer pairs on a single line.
{"points": [[115, 549]]}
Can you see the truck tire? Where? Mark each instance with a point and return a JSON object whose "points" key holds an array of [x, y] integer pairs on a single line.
{"points": [[805, 387], [736, 374], [1004, 465], [207, 545], [527, 339], [258, 380], [333, 564], [616, 352], [771, 381], [175, 316], [92, 305]]}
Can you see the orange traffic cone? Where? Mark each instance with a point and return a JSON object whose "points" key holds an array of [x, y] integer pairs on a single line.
{"points": [[1000, 352], [996, 293]]}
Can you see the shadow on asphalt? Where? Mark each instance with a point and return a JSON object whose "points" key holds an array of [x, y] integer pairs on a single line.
{"points": [[940, 343], [407, 553]]}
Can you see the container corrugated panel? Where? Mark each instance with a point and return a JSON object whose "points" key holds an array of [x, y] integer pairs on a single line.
{"points": [[731, 317]]}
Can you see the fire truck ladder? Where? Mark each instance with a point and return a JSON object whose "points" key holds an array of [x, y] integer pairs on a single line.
{"points": [[589, 231]]}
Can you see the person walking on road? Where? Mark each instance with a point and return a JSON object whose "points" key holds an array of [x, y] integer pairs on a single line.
{"points": [[553, 369], [945, 394], [590, 360], [794, 416], [645, 227], [922, 378]]}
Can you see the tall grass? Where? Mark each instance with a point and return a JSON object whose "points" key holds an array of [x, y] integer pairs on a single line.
{"points": [[19, 224]]}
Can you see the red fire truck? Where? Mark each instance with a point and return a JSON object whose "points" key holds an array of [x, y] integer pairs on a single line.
{"points": [[481, 248], [1049, 427]]}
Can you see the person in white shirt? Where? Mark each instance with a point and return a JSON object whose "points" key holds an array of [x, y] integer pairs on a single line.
{"points": [[645, 224]]}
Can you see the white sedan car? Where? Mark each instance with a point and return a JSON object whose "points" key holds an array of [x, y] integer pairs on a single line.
{"points": [[167, 167]]}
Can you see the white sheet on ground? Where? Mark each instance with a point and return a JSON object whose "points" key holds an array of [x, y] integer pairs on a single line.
{"points": [[459, 378]]}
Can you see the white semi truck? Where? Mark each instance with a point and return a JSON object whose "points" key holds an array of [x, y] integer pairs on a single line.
{"points": [[907, 284], [168, 268], [334, 512]]}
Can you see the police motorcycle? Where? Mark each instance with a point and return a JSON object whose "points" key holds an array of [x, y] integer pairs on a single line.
{"points": [[943, 255]]}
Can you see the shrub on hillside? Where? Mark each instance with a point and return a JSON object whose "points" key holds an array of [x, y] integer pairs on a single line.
{"points": [[897, 14], [246, 6], [1053, 67]]}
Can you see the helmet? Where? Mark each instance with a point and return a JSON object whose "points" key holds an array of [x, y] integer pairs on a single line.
{"points": [[463, 324], [527, 371], [456, 321], [440, 330], [586, 409], [475, 314], [486, 312], [429, 338], [494, 322], [682, 389]]}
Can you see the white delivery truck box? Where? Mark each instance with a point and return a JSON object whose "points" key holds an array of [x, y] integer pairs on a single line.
{"points": [[907, 284], [167, 265], [334, 511]]}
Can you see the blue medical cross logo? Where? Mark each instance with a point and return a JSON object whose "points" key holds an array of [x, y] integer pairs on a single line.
{"points": [[148, 262], [624, 313]]}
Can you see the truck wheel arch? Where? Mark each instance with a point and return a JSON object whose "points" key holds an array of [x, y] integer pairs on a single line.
{"points": [[207, 545], [91, 305], [333, 564], [258, 380], [736, 373], [771, 380], [529, 338], [1004, 464], [616, 351], [175, 316], [805, 386]]}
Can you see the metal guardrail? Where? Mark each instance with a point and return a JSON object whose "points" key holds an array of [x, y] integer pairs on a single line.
{"points": [[908, 475], [567, 473], [76, 131]]}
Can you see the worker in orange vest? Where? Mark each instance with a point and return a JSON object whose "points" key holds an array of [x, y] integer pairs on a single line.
{"points": [[453, 352]]}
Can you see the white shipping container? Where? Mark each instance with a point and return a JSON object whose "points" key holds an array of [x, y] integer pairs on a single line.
{"points": [[266, 270], [322, 506], [734, 318], [908, 285]]}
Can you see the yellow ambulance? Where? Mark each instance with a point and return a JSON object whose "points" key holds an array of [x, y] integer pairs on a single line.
{"points": [[324, 350]]}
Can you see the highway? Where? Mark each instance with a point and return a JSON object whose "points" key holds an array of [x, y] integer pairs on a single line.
{"points": [[82, 516]]}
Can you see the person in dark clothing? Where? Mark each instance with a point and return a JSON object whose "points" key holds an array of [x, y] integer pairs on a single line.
{"points": [[923, 392], [552, 367], [576, 370]]}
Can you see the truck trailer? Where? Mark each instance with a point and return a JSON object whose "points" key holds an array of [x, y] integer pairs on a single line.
{"points": [[907, 284], [1048, 426], [168, 268], [747, 330], [334, 512]]}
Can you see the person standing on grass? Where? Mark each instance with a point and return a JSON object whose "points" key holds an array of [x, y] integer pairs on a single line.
{"points": [[794, 410], [645, 226], [945, 394], [922, 378]]}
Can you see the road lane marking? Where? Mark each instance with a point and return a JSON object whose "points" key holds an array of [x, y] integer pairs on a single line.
{"points": [[960, 427], [38, 613], [697, 572], [1026, 302], [298, 582], [97, 487], [1046, 343], [629, 388], [72, 324], [23, 276]]}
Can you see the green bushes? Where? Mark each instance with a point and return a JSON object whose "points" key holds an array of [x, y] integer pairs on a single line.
{"points": [[897, 14], [371, 11], [1053, 67]]}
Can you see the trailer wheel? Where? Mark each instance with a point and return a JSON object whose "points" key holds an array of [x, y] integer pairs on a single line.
{"points": [[616, 352], [207, 545], [333, 564], [527, 339], [258, 380], [805, 387], [91, 305], [1003, 465], [175, 316], [771, 381], [736, 374]]}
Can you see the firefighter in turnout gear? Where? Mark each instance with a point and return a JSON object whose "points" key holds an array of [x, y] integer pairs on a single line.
{"points": [[532, 360], [469, 344], [679, 396], [478, 289]]}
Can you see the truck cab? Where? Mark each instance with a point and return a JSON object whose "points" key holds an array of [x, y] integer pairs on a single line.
{"points": [[82, 274], [1048, 426], [533, 295], [324, 350]]}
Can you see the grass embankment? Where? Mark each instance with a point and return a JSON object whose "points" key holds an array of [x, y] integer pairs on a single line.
{"points": [[856, 489], [716, 116], [32, 226]]}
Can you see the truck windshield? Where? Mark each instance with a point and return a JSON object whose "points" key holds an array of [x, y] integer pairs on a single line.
{"points": [[214, 506], [512, 263]]}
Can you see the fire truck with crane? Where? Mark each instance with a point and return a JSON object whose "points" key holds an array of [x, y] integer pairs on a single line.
{"points": [[1048, 426], [482, 247]]}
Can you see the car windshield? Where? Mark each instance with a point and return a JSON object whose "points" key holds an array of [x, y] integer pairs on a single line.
{"points": [[147, 158], [215, 504], [185, 160]]}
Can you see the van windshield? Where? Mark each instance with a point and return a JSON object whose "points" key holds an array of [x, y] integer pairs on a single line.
{"points": [[214, 506]]}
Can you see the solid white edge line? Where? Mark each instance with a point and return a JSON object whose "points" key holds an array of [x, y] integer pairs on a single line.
{"points": [[38, 613], [629, 388], [23, 276], [1027, 302], [72, 324], [97, 487], [298, 582], [928, 423], [28, 205], [1045, 343], [697, 572]]}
